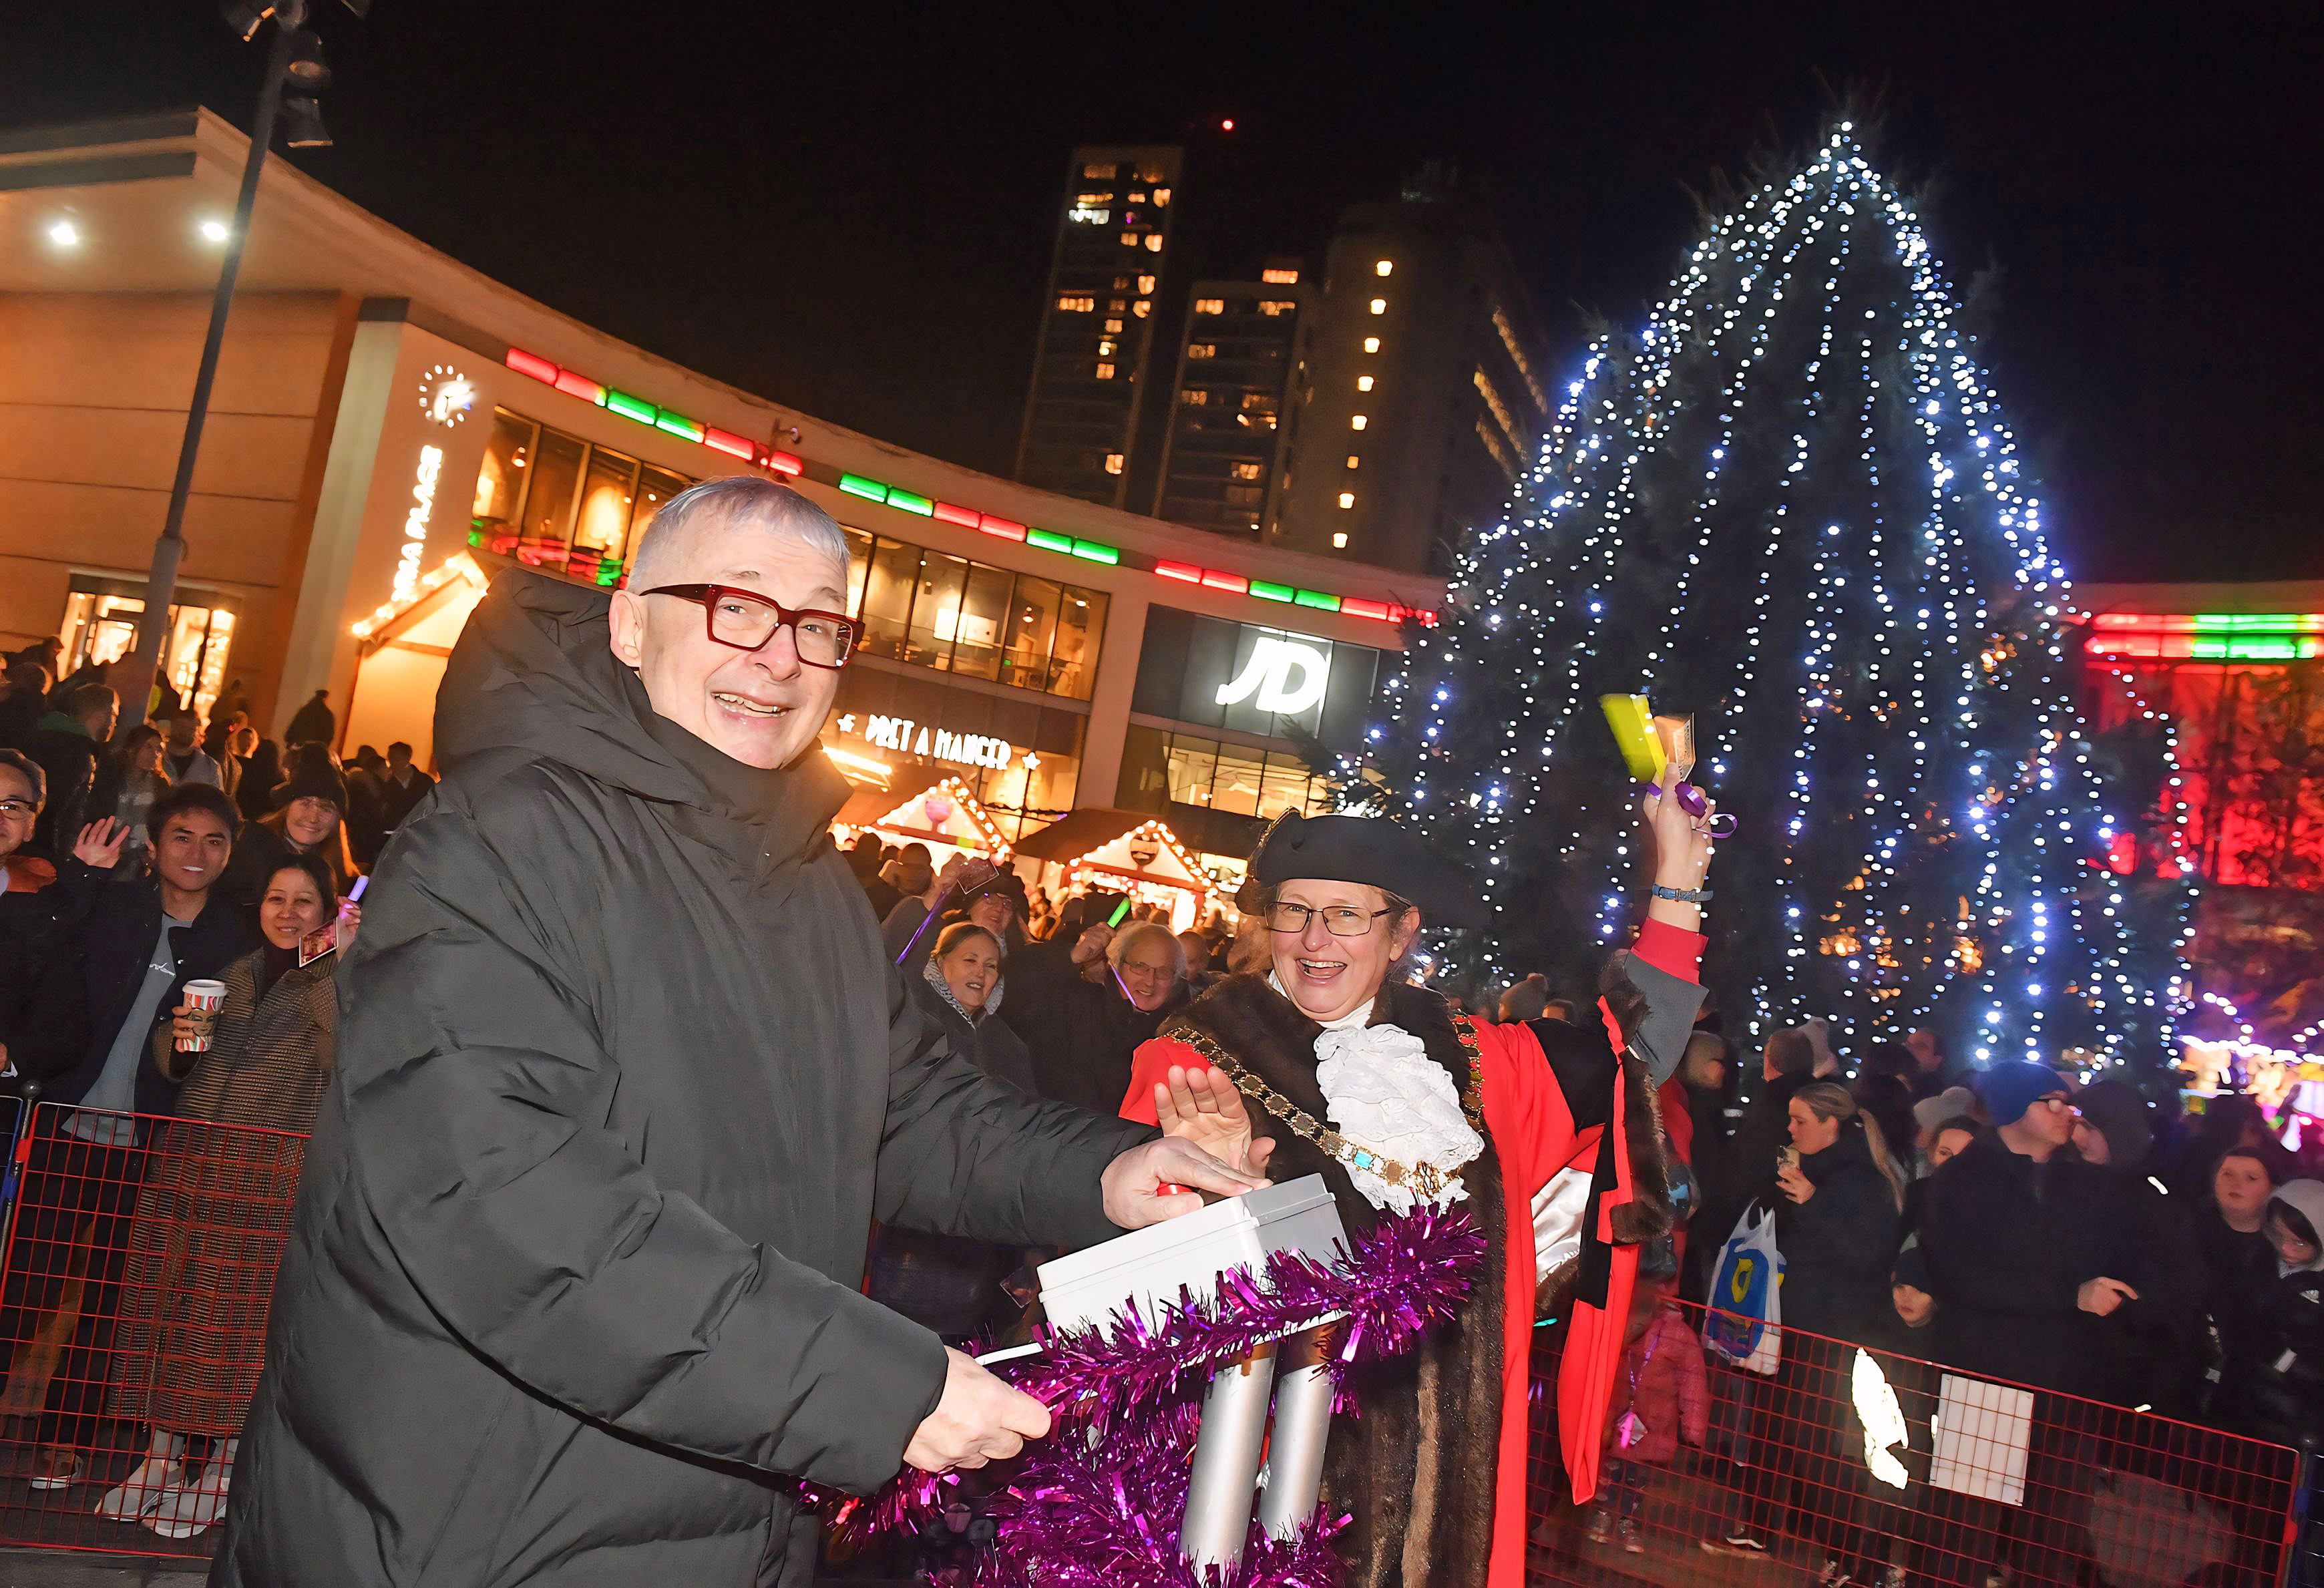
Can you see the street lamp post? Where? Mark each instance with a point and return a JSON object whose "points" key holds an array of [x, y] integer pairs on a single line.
{"points": [[136, 680]]}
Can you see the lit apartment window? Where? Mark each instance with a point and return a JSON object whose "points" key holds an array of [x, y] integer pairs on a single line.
{"points": [[1153, 242], [1193, 397], [1161, 197], [1105, 372], [1113, 463], [1105, 349], [1142, 308], [1354, 461], [1347, 499], [1340, 541], [1278, 278], [1276, 306], [1097, 173], [1121, 283], [1130, 239], [1137, 198], [1202, 349], [1146, 285], [1073, 305], [1115, 305], [1386, 267], [1380, 306], [1088, 215], [1249, 471], [1372, 344], [1357, 422], [1113, 327], [1363, 382], [1210, 306]]}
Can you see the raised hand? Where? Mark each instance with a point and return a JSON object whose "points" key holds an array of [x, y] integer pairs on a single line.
{"points": [[1201, 1107], [99, 845], [1132, 1183]]}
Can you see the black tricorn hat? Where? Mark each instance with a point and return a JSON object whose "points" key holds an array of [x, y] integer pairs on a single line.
{"points": [[1369, 850]]}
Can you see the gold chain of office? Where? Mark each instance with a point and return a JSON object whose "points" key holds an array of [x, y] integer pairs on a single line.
{"points": [[1426, 1179]]}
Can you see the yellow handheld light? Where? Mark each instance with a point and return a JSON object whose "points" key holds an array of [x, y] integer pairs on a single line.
{"points": [[1633, 722]]}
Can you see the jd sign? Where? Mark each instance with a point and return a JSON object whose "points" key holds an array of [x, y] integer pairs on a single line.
{"points": [[1287, 677]]}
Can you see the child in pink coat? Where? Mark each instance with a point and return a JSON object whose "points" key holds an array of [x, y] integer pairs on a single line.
{"points": [[1661, 1397]]}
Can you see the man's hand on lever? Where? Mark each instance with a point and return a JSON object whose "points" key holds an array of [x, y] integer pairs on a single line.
{"points": [[980, 1419], [1201, 1107], [1133, 1183]]}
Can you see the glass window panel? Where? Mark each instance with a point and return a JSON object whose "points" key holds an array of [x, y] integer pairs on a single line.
{"points": [[1145, 770], [500, 482], [556, 471], [1080, 619], [1285, 785], [1240, 772], [936, 610], [607, 487], [655, 487], [888, 596], [983, 615], [859, 565], [1194, 767], [1032, 628]]}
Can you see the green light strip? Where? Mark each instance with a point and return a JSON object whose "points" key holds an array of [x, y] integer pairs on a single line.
{"points": [[899, 497], [1271, 592], [628, 407], [1091, 551], [857, 485], [1050, 541], [677, 424], [1316, 599]]}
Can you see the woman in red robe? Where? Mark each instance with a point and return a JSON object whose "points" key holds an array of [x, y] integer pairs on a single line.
{"points": [[1333, 1063]]}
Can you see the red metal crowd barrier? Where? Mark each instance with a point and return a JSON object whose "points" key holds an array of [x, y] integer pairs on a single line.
{"points": [[1888, 1469], [138, 1266]]}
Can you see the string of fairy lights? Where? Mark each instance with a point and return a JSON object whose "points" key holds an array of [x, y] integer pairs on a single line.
{"points": [[1909, 587]]}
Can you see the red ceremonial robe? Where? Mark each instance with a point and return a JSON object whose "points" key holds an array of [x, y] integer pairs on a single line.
{"points": [[1535, 1137]]}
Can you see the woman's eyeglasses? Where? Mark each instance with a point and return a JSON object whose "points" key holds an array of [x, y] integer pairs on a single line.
{"points": [[1342, 920]]}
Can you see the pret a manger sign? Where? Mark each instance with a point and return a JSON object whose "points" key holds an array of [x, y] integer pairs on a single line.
{"points": [[415, 522], [904, 737]]}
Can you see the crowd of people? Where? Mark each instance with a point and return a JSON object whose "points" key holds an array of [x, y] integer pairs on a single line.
{"points": [[2009, 1222], [137, 857]]}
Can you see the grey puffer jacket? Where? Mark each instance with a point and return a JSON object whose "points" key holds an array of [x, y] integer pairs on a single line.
{"points": [[623, 1080]]}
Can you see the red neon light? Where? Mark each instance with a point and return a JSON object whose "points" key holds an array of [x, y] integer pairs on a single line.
{"points": [[1355, 607], [967, 518], [1184, 572], [1007, 529], [580, 386], [1215, 580], [527, 364], [782, 463], [728, 442]]}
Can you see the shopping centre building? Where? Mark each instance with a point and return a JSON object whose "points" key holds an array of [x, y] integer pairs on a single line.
{"points": [[392, 429]]}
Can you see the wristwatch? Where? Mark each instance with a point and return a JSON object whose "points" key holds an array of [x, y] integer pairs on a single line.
{"points": [[1683, 895]]}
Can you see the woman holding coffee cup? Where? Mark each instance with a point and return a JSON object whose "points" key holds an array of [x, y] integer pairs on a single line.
{"points": [[215, 1209]]}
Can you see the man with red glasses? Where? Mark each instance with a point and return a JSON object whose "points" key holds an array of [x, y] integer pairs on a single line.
{"points": [[624, 1079]]}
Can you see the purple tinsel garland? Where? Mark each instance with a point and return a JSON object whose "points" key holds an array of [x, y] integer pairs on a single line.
{"points": [[1094, 1506]]}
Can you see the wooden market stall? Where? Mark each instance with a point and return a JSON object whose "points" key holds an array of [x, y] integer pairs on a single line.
{"points": [[920, 805], [1121, 851]]}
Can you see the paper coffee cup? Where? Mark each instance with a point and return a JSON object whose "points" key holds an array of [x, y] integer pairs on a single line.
{"points": [[203, 999]]}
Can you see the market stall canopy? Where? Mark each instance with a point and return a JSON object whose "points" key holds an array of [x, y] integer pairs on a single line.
{"points": [[1125, 842], [927, 805]]}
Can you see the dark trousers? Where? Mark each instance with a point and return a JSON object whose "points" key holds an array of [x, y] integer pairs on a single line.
{"points": [[2053, 1526], [1626, 1484], [1802, 1478], [77, 1197]]}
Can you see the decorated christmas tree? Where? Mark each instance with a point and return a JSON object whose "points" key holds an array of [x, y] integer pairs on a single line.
{"points": [[1790, 505]]}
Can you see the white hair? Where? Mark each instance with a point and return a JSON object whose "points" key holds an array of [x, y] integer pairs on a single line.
{"points": [[737, 501], [1137, 932]]}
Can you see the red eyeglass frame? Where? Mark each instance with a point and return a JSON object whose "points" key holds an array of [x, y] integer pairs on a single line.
{"points": [[706, 596]]}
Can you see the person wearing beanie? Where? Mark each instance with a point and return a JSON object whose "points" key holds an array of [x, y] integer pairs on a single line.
{"points": [[2029, 1256], [309, 818]]}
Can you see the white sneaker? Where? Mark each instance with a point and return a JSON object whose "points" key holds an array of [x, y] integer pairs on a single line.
{"points": [[141, 1490], [184, 1512]]}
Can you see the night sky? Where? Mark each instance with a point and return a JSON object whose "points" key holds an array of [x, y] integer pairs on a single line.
{"points": [[849, 208]]}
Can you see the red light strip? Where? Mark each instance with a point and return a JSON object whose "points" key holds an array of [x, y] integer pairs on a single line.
{"points": [[967, 518], [1184, 572]]}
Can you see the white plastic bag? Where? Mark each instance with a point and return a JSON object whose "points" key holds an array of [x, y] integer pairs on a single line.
{"points": [[1747, 1298]]}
